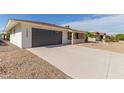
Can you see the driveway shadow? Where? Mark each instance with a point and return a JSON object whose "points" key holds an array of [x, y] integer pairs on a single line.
{"points": [[53, 46]]}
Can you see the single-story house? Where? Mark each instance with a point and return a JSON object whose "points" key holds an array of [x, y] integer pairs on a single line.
{"points": [[27, 34], [98, 35], [4, 36]]}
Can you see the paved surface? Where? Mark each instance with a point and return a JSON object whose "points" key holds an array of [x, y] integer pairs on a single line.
{"points": [[83, 62]]}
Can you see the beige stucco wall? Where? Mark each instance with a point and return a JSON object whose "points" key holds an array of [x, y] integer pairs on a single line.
{"points": [[16, 38], [91, 39], [65, 38], [81, 38], [26, 36], [22, 37]]}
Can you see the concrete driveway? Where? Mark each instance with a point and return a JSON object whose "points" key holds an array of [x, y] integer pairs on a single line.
{"points": [[83, 62]]}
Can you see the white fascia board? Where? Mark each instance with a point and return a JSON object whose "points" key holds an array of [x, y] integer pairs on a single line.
{"points": [[10, 25]]}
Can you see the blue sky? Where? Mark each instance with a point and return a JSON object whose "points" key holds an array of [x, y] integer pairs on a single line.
{"points": [[111, 24]]}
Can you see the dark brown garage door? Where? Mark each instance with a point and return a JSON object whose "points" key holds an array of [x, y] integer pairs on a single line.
{"points": [[42, 37]]}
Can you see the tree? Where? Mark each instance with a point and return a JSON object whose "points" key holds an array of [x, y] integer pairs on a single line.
{"points": [[89, 34]]}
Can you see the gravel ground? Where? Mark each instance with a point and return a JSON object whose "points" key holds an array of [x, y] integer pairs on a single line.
{"points": [[16, 63], [113, 46]]}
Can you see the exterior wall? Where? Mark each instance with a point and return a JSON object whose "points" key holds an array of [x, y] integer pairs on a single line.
{"points": [[65, 38], [80, 40], [26, 36], [22, 36], [91, 39], [16, 36], [77, 41]]}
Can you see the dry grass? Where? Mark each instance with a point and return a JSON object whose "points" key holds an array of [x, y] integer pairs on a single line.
{"points": [[16, 63]]}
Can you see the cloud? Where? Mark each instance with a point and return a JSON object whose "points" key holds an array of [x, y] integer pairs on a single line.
{"points": [[111, 24]]}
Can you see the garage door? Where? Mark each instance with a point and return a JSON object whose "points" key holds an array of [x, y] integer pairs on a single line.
{"points": [[42, 37]]}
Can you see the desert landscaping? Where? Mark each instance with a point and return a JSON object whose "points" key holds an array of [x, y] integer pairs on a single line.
{"points": [[16, 63], [110, 46]]}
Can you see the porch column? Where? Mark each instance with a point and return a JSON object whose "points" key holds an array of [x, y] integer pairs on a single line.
{"points": [[72, 38]]}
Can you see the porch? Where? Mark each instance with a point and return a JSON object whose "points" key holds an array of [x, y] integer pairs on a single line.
{"points": [[76, 37]]}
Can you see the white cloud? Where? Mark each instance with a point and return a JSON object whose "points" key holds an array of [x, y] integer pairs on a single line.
{"points": [[110, 24]]}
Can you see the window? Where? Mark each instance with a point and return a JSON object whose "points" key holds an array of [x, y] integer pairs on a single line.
{"points": [[69, 35], [77, 35]]}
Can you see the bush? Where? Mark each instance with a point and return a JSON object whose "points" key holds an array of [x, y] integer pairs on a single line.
{"points": [[111, 39], [89, 34], [120, 36]]}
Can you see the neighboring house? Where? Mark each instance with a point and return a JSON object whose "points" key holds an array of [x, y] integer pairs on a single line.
{"points": [[5, 36], [91, 39], [27, 34], [95, 36], [98, 35]]}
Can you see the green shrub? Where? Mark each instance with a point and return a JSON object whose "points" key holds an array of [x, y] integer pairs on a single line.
{"points": [[89, 34], [120, 36]]}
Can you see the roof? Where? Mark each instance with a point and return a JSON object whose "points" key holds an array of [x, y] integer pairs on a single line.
{"points": [[43, 23], [36, 22]]}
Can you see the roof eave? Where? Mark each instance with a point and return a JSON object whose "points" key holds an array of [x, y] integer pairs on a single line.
{"points": [[10, 25]]}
